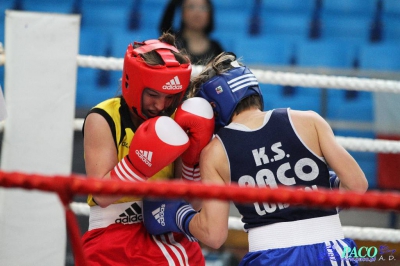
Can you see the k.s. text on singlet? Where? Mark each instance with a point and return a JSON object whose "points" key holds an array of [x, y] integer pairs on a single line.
{"points": [[273, 156]]}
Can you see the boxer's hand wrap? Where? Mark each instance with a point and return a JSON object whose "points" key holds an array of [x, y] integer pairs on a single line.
{"points": [[191, 172], [156, 143], [334, 180]]}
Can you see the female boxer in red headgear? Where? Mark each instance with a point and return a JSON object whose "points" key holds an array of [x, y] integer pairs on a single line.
{"points": [[133, 138]]}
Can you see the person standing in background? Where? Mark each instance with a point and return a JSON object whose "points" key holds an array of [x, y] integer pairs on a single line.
{"points": [[197, 22]]}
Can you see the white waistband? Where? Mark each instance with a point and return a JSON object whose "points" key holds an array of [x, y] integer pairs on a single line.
{"points": [[124, 213], [296, 233]]}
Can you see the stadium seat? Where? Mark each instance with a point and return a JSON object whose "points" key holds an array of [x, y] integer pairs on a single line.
{"points": [[264, 50], [4, 5], [364, 8], [89, 91], [325, 54], [274, 98], [391, 7], [121, 38], [345, 27], [320, 53], [232, 5], [289, 6], [380, 56], [359, 108], [391, 28], [92, 42], [2, 32], [152, 11], [65, 6], [231, 22], [105, 15], [226, 39], [295, 26]]}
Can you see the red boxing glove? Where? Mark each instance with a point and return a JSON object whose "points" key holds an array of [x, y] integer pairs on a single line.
{"points": [[156, 143], [196, 117]]}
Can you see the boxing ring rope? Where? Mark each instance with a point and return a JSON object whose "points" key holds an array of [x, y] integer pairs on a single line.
{"points": [[68, 186], [273, 77]]}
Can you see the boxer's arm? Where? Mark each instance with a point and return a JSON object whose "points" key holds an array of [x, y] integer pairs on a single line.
{"points": [[100, 153], [210, 225], [342, 163]]}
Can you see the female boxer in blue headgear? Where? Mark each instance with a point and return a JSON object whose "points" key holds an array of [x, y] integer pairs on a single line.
{"points": [[276, 148]]}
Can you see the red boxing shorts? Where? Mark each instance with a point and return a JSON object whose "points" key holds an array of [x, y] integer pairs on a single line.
{"points": [[130, 244]]}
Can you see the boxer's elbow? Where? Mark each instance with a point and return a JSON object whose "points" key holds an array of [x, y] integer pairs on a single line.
{"points": [[359, 184], [211, 235], [217, 239]]}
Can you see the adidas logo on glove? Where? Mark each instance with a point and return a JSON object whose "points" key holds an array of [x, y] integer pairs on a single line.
{"points": [[159, 214], [145, 156], [173, 84]]}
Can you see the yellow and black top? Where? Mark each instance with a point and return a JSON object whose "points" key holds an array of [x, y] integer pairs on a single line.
{"points": [[116, 113]]}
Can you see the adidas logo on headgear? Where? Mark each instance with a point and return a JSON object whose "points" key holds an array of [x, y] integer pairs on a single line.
{"points": [[145, 156], [159, 214], [173, 84]]}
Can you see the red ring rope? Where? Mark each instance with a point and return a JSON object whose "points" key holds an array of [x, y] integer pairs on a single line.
{"points": [[76, 184]]}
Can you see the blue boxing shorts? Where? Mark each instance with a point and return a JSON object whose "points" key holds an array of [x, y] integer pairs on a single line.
{"points": [[322, 254]]}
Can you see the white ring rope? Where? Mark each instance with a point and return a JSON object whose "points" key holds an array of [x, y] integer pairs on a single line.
{"points": [[369, 145], [234, 223], [273, 77], [325, 81], [101, 62], [267, 76], [349, 143], [293, 79]]}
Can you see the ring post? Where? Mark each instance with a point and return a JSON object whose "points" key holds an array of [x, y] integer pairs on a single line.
{"points": [[40, 79]]}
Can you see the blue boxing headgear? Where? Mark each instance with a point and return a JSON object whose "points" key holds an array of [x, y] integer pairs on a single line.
{"points": [[226, 90]]}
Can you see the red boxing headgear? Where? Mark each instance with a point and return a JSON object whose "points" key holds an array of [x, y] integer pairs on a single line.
{"points": [[137, 75]]}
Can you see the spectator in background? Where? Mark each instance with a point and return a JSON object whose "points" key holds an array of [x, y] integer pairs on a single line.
{"points": [[197, 22]]}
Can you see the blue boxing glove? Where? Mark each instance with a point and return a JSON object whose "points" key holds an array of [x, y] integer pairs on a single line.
{"points": [[334, 180], [162, 216]]}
